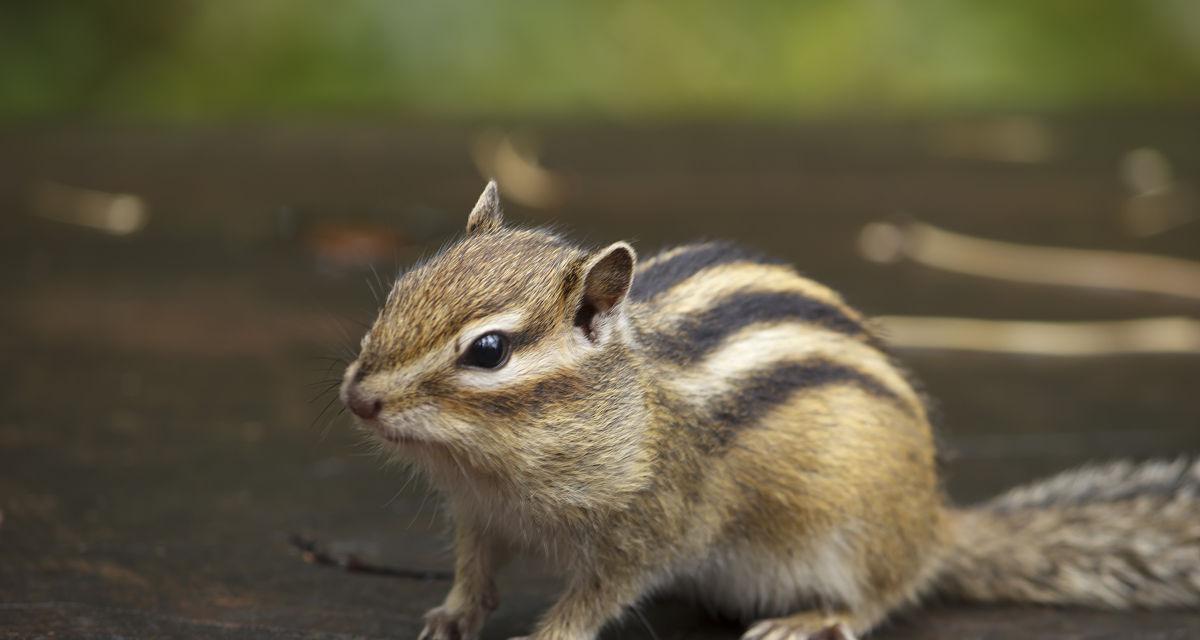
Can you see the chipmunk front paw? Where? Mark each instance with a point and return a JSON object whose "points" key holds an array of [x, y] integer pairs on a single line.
{"points": [[803, 627], [442, 623]]}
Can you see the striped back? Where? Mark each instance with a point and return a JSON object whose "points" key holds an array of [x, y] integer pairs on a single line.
{"points": [[738, 334]]}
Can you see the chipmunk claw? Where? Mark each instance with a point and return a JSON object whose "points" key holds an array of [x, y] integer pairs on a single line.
{"points": [[797, 629], [443, 624], [834, 632]]}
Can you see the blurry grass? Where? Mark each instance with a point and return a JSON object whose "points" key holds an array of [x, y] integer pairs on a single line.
{"points": [[218, 59]]}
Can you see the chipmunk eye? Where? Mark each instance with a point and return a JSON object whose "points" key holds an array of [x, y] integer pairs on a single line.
{"points": [[489, 351]]}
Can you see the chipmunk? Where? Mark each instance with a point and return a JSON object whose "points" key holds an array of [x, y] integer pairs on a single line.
{"points": [[710, 422]]}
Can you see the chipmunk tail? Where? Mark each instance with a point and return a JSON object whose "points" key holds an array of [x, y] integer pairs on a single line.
{"points": [[1114, 536]]}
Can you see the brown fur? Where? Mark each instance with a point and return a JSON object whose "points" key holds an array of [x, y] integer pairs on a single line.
{"points": [[1113, 536], [766, 457]]}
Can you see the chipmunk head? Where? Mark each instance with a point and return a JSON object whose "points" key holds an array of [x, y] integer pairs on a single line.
{"points": [[506, 353]]}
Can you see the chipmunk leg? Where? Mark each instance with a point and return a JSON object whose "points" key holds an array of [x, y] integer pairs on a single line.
{"points": [[810, 625], [473, 596], [591, 600]]}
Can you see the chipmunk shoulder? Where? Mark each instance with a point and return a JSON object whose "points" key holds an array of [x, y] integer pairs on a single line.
{"points": [[707, 421]]}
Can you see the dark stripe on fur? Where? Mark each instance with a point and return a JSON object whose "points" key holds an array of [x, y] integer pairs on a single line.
{"points": [[529, 399], [697, 336], [665, 274], [526, 337], [765, 390]]}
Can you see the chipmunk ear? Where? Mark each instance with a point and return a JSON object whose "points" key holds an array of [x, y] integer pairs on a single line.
{"points": [[608, 273], [487, 215]]}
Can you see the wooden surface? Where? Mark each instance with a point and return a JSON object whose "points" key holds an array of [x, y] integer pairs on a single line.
{"points": [[159, 440]]}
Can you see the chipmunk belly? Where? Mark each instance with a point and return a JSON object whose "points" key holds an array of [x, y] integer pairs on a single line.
{"points": [[747, 581]]}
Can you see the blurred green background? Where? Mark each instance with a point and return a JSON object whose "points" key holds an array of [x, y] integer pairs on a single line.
{"points": [[234, 60]]}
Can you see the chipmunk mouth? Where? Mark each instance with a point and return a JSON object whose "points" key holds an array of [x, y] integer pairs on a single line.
{"points": [[399, 439], [407, 428], [390, 434]]}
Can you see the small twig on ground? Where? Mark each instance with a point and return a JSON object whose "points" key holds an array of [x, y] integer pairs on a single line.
{"points": [[312, 553]]}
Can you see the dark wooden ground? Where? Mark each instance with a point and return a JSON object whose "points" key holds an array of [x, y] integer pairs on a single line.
{"points": [[158, 446]]}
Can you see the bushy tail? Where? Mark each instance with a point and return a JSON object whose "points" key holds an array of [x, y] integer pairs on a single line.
{"points": [[1118, 536]]}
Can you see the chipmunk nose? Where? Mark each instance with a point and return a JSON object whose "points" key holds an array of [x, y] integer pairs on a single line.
{"points": [[363, 405]]}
